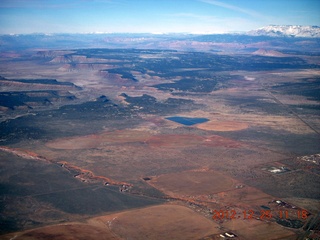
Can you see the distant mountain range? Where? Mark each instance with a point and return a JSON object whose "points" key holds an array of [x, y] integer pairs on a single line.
{"points": [[291, 38], [287, 31], [270, 31]]}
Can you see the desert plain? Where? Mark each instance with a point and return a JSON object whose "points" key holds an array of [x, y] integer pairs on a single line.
{"points": [[88, 150]]}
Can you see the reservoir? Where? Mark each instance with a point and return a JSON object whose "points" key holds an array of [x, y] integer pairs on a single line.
{"points": [[187, 121]]}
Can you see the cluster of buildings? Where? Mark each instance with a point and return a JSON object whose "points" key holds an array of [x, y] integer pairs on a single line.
{"points": [[284, 204], [277, 169], [228, 235]]}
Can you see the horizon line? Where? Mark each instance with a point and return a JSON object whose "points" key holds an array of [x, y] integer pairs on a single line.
{"points": [[157, 33]]}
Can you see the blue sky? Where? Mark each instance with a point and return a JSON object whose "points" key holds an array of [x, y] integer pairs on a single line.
{"points": [[156, 16]]}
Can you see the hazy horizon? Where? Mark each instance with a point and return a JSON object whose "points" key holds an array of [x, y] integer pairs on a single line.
{"points": [[147, 16]]}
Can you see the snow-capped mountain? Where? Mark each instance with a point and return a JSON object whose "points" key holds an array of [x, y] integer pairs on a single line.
{"points": [[287, 30]]}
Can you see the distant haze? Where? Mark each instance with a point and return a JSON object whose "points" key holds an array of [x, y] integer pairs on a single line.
{"points": [[153, 16]]}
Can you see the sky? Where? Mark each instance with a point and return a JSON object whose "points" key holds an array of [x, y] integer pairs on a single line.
{"points": [[153, 16]]}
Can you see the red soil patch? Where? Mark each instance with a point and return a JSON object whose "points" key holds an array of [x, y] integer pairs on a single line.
{"points": [[24, 154], [218, 141]]}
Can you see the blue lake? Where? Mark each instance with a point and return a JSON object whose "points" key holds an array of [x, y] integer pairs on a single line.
{"points": [[187, 121]]}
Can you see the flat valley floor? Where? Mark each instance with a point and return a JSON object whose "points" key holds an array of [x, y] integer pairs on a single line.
{"points": [[87, 150]]}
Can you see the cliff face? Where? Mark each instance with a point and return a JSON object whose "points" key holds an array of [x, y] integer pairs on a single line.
{"points": [[73, 62], [25, 94], [69, 59], [269, 53]]}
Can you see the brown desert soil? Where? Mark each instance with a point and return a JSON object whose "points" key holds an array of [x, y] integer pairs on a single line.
{"points": [[247, 196], [192, 183], [174, 141], [70, 231], [256, 229], [131, 136], [223, 126], [96, 140], [157, 222], [160, 222]]}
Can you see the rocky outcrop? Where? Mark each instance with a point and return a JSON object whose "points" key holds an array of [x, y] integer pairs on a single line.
{"points": [[83, 175], [269, 53], [88, 176], [69, 59]]}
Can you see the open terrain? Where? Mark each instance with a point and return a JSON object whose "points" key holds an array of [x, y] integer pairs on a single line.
{"points": [[158, 222], [88, 148]]}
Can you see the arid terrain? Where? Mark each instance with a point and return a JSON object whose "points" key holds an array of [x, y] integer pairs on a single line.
{"points": [[87, 150]]}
